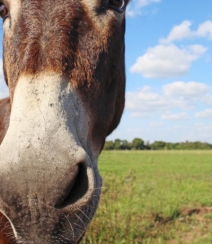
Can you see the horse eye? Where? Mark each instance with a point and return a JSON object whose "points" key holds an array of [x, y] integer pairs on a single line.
{"points": [[118, 5], [3, 11]]}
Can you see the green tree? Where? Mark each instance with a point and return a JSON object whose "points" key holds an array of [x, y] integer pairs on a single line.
{"points": [[147, 146], [170, 146], [109, 145], [158, 145], [138, 144], [117, 144], [126, 145]]}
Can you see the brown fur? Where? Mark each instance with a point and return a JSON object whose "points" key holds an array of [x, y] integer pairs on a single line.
{"points": [[5, 231], [61, 37]]}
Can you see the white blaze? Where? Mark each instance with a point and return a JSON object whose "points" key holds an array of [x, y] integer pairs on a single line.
{"points": [[48, 116]]}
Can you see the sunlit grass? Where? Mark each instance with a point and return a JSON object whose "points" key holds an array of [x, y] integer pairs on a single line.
{"points": [[147, 196]]}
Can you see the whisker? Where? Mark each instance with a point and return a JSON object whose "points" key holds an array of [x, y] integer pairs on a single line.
{"points": [[84, 214], [70, 226], [80, 220]]}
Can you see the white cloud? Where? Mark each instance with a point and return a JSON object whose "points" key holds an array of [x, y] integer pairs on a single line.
{"points": [[130, 11], [179, 32], [183, 31], [176, 116], [187, 90], [135, 6], [177, 96], [3, 87], [165, 61], [205, 29], [1, 68], [143, 3], [200, 132], [206, 114], [197, 50], [146, 102], [143, 101]]}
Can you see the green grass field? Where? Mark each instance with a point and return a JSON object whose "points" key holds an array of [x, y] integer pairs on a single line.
{"points": [[154, 197]]}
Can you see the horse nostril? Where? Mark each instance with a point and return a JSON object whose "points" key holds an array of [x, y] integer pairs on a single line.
{"points": [[77, 188]]}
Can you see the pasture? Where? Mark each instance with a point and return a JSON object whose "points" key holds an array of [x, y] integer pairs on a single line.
{"points": [[153, 197]]}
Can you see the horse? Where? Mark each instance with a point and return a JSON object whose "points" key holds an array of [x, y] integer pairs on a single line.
{"points": [[64, 65]]}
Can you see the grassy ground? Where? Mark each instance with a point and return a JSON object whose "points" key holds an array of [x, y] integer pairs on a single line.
{"points": [[154, 197]]}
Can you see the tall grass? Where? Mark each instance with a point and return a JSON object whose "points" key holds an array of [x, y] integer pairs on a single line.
{"points": [[154, 197]]}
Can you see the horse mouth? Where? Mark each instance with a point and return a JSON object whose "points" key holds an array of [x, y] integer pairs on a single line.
{"points": [[60, 218]]}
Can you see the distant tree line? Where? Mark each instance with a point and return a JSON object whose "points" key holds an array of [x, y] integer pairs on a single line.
{"points": [[139, 144]]}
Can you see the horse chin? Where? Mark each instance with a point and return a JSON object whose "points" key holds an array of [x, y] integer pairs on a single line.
{"points": [[47, 224]]}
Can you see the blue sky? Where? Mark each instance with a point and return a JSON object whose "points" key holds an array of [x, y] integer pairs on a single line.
{"points": [[169, 71]]}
